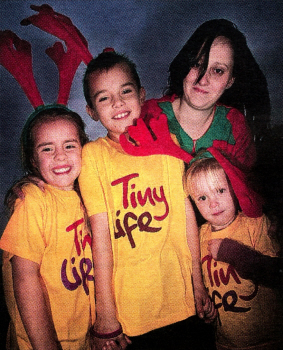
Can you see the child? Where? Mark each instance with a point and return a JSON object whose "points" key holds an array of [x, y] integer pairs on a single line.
{"points": [[213, 70], [47, 259], [250, 315], [143, 266]]}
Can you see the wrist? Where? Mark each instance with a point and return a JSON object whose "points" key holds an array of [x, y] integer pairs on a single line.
{"points": [[108, 335]]}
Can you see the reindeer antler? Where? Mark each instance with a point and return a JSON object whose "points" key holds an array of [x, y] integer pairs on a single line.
{"points": [[67, 63], [158, 141], [16, 57], [77, 48], [60, 26]]}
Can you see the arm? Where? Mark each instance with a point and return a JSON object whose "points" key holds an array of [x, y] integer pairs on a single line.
{"points": [[249, 263], [33, 304], [244, 151], [106, 319], [204, 306]]}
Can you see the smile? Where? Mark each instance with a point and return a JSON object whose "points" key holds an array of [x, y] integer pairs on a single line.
{"points": [[62, 170], [121, 115]]}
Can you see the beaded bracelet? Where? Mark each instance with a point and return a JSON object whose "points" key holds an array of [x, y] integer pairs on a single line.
{"points": [[106, 335]]}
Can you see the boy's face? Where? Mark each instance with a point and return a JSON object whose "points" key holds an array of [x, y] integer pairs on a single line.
{"points": [[215, 200], [116, 99]]}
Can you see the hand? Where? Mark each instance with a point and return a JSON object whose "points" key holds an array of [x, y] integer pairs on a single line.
{"points": [[204, 306], [213, 247], [119, 342]]}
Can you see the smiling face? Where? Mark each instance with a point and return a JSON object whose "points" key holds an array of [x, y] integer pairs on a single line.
{"points": [[204, 94], [115, 98], [214, 198], [57, 153]]}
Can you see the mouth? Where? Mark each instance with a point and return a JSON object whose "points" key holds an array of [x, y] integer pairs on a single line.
{"points": [[217, 213], [197, 89], [62, 170], [121, 115]]}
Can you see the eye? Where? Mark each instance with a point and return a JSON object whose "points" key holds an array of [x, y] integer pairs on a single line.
{"points": [[103, 98], [221, 190], [201, 198], [196, 65], [218, 71], [46, 149], [127, 91], [71, 145]]}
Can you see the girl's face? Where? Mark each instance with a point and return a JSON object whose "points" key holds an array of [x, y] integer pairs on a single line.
{"points": [[217, 78], [116, 99], [214, 199], [57, 153]]}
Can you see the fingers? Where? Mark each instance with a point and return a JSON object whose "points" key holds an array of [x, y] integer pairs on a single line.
{"points": [[118, 343]]}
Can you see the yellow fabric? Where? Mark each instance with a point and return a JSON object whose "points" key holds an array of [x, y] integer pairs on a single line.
{"points": [[242, 324], [152, 262], [48, 228]]}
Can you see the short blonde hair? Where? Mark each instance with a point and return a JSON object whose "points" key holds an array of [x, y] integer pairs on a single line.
{"points": [[207, 167]]}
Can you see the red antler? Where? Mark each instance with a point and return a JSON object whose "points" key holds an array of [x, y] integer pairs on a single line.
{"points": [[15, 56], [60, 26], [77, 48], [67, 63], [160, 142]]}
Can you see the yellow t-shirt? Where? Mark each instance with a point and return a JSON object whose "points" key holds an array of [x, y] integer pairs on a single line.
{"points": [[144, 199], [249, 314], [48, 228]]}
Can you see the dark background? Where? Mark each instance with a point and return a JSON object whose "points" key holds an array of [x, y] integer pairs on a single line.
{"points": [[150, 32]]}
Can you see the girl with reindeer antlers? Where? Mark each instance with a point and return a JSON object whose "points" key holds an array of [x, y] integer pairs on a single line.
{"points": [[47, 259]]}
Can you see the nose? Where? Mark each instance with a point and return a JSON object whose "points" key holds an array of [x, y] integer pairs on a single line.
{"points": [[205, 79], [118, 101], [213, 203], [60, 154]]}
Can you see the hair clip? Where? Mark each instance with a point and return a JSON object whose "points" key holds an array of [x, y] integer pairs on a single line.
{"points": [[108, 49]]}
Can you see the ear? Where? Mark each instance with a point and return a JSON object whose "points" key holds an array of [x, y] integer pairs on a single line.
{"points": [[91, 112], [142, 95], [230, 83]]}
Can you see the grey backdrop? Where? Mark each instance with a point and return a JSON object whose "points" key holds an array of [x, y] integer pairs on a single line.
{"points": [[151, 32]]}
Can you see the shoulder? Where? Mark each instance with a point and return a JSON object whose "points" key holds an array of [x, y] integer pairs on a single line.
{"points": [[257, 222], [33, 192], [151, 107], [92, 146], [235, 117]]}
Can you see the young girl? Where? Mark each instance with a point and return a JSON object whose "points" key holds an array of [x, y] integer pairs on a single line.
{"points": [[47, 260], [250, 315], [140, 224], [212, 74]]}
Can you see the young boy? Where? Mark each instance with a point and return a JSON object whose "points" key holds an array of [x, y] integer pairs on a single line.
{"points": [[141, 226], [250, 315]]}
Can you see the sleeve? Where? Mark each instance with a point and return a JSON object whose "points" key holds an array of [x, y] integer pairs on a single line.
{"points": [[261, 240], [244, 150], [24, 233], [250, 264], [90, 182]]}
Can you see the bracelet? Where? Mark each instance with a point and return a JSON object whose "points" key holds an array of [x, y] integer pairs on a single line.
{"points": [[106, 335]]}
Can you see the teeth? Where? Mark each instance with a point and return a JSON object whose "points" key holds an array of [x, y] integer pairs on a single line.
{"points": [[62, 170], [119, 116]]}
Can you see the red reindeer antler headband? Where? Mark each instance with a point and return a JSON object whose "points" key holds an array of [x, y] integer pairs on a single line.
{"points": [[16, 57]]}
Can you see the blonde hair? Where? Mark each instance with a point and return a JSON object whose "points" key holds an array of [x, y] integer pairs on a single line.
{"points": [[205, 167]]}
